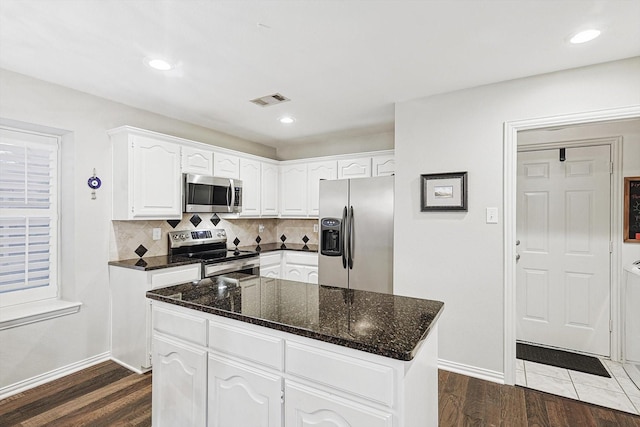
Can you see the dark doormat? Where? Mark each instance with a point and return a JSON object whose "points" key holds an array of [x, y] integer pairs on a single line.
{"points": [[561, 359]]}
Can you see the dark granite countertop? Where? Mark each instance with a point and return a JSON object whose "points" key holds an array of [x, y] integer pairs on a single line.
{"points": [[270, 247], [383, 324], [153, 262]]}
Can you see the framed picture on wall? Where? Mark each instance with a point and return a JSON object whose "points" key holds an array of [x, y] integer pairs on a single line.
{"points": [[443, 192], [632, 209]]}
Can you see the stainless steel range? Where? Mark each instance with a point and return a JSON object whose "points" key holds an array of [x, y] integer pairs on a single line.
{"points": [[210, 246]]}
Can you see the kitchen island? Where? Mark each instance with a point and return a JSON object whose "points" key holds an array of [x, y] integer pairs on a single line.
{"points": [[242, 350]]}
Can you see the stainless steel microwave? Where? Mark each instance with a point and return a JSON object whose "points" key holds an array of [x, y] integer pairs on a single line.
{"points": [[204, 193]]}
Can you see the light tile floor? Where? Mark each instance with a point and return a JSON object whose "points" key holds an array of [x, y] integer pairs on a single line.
{"points": [[617, 392]]}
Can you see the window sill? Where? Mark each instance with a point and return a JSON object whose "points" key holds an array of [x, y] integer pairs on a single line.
{"points": [[23, 314]]}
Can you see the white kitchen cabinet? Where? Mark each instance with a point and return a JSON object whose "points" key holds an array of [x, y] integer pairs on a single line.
{"points": [[147, 180], [179, 386], [318, 171], [354, 168], [383, 165], [300, 266], [226, 165], [271, 264], [293, 190], [307, 407], [197, 161], [269, 186], [250, 174], [250, 372], [131, 319], [240, 395]]}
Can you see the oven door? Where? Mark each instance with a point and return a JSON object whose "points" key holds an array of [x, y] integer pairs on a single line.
{"points": [[247, 266]]}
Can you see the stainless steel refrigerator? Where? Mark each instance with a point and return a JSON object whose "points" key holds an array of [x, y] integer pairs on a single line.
{"points": [[356, 233]]}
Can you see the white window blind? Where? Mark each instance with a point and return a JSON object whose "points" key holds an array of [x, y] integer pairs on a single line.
{"points": [[28, 217]]}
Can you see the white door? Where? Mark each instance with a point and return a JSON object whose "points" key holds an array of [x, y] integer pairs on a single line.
{"points": [[563, 225]]}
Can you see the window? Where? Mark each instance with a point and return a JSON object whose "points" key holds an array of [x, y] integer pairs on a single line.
{"points": [[28, 217]]}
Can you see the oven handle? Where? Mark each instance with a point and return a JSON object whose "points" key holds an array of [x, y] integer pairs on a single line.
{"points": [[230, 266]]}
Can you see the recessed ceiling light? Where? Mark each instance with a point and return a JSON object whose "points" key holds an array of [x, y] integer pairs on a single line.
{"points": [[287, 120], [584, 36], [159, 64]]}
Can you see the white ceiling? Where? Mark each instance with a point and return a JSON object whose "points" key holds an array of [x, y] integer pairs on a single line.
{"points": [[343, 63]]}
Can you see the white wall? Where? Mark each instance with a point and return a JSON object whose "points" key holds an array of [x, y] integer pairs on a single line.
{"points": [[455, 257], [35, 349]]}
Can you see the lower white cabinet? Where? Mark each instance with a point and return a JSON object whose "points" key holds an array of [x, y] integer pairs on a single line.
{"points": [[271, 264], [179, 387], [300, 266], [308, 407], [240, 395], [248, 375]]}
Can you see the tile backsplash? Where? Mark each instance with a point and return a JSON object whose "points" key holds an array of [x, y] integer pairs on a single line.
{"points": [[129, 239]]}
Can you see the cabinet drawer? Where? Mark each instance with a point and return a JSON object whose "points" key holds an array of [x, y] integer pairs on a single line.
{"points": [[174, 275], [180, 325], [301, 258], [267, 260], [247, 345], [360, 377]]}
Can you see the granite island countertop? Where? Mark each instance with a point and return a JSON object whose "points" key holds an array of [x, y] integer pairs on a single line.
{"points": [[382, 324]]}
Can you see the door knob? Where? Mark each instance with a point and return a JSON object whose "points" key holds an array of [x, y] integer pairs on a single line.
{"points": [[517, 242], [517, 257]]}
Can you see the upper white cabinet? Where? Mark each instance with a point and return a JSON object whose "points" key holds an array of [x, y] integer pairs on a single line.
{"points": [[250, 174], [354, 168], [269, 188], [293, 193], [317, 171], [195, 160], [383, 165], [147, 180], [226, 165]]}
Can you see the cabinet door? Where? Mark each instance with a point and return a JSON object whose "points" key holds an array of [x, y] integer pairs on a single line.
{"points": [[269, 191], [157, 190], [294, 272], [354, 168], [179, 390], [306, 407], [197, 161], [226, 165], [242, 396], [250, 176], [384, 165], [311, 275], [273, 271], [293, 197], [318, 171]]}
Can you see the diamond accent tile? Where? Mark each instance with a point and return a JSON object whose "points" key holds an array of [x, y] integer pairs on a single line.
{"points": [[305, 238], [236, 241], [283, 237], [215, 219], [258, 239], [173, 222], [140, 251], [195, 220], [283, 246]]}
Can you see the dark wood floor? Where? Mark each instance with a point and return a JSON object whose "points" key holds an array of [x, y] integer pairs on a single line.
{"points": [[110, 395]]}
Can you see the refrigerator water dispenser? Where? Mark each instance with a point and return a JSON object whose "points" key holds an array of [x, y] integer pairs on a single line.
{"points": [[331, 230]]}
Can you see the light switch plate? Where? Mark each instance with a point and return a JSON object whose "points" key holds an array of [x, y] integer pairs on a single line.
{"points": [[156, 234], [260, 228], [492, 215]]}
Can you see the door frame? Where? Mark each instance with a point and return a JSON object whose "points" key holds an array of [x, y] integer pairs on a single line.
{"points": [[510, 152], [615, 202]]}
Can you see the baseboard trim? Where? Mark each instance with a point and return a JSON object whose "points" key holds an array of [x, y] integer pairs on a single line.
{"points": [[471, 371], [32, 382]]}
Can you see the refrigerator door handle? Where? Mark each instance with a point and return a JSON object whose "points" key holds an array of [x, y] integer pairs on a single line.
{"points": [[350, 241], [342, 236]]}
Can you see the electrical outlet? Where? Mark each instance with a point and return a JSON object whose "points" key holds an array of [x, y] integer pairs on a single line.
{"points": [[156, 234], [492, 215], [260, 228], [315, 228]]}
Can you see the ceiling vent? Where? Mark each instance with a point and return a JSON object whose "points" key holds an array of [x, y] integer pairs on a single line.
{"points": [[269, 100]]}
